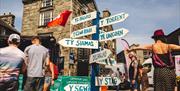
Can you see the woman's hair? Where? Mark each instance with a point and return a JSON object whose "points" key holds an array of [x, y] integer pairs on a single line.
{"points": [[131, 56], [14, 41], [161, 38]]}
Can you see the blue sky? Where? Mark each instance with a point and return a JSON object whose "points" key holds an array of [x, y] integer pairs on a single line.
{"points": [[144, 16]]}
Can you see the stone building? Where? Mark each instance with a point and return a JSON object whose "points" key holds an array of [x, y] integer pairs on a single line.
{"points": [[7, 24], [36, 15], [142, 55]]}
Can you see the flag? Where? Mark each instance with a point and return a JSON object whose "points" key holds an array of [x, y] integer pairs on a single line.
{"points": [[61, 19]]}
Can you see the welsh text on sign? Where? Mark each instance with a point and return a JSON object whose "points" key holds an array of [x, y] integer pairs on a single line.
{"points": [[113, 19], [84, 18], [84, 32], [102, 55], [79, 43], [107, 81], [77, 87], [109, 61], [113, 34]]}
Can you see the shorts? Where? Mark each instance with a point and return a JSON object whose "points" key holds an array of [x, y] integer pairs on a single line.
{"points": [[134, 86], [34, 84], [47, 80]]}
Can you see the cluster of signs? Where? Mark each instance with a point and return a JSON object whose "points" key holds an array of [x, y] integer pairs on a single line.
{"points": [[93, 44], [99, 57]]}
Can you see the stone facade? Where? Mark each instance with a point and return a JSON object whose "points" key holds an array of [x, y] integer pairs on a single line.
{"points": [[32, 24]]}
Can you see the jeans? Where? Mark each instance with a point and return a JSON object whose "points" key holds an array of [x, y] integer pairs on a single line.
{"points": [[34, 84]]}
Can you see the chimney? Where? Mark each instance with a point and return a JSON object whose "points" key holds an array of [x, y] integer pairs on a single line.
{"points": [[8, 18], [106, 13]]}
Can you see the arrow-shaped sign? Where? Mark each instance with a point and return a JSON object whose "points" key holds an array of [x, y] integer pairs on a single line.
{"points": [[107, 81], [113, 19], [84, 32], [108, 61], [98, 56], [84, 18], [77, 87], [79, 43], [113, 34]]}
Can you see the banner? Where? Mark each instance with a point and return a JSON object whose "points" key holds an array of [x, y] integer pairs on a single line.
{"points": [[177, 65]]}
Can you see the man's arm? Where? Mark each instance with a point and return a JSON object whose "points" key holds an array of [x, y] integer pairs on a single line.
{"points": [[51, 65], [23, 68], [26, 59]]}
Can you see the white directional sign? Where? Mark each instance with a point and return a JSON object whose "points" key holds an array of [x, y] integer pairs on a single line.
{"points": [[84, 18], [79, 43], [77, 87], [113, 19], [113, 34], [98, 56], [109, 61], [84, 32], [107, 81]]}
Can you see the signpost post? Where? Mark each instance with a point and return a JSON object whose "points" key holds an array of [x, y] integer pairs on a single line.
{"points": [[94, 66]]}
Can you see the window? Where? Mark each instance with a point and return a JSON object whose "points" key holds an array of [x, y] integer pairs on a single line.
{"points": [[45, 17], [46, 3]]}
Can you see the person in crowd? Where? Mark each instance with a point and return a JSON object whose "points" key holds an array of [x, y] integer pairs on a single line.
{"points": [[164, 74], [120, 76], [12, 63], [143, 78], [49, 75], [37, 57], [49, 68], [133, 72]]}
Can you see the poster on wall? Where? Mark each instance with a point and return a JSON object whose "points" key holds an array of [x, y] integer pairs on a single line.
{"points": [[177, 65]]}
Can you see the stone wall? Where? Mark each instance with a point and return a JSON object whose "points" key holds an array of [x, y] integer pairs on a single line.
{"points": [[30, 25]]}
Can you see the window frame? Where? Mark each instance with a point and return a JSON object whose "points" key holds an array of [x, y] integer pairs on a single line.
{"points": [[47, 3], [42, 17]]}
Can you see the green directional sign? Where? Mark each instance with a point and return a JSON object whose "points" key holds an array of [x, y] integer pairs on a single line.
{"points": [[72, 83]]}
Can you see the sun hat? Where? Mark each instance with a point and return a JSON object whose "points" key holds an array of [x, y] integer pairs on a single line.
{"points": [[158, 33]]}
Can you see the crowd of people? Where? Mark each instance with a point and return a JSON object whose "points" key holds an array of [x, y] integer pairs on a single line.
{"points": [[34, 62], [164, 72]]}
